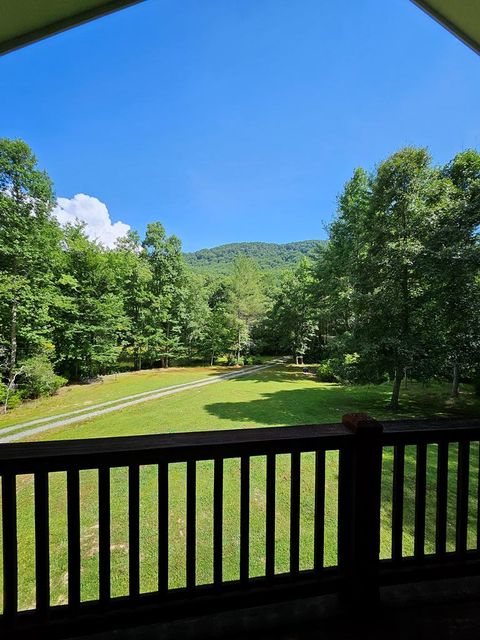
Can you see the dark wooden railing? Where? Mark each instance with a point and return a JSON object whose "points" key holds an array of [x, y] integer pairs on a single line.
{"points": [[376, 498]]}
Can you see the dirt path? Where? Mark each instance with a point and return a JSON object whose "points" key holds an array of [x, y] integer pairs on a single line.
{"points": [[52, 422]]}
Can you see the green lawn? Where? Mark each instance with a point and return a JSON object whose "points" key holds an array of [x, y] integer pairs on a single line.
{"points": [[278, 396], [113, 387]]}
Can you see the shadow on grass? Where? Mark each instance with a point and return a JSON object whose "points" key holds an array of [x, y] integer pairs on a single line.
{"points": [[329, 402]]}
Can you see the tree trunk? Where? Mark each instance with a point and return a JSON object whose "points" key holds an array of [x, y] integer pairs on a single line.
{"points": [[397, 381], [13, 342], [455, 381], [239, 344]]}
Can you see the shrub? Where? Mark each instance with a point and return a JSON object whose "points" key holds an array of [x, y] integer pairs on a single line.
{"points": [[249, 360], [38, 378], [325, 372]]}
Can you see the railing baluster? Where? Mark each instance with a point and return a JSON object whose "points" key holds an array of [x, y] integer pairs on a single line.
{"points": [[191, 523], [319, 524], [345, 504], [295, 512], [73, 527], [270, 517], [244, 518], [218, 522], [162, 527], [134, 529], [397, 501], [104, 533], [420, 491], [462, 495], [442, 494], [42, 550], [9, 529]]}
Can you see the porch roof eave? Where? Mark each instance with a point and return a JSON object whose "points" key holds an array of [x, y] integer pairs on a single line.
{"points": [[25, 21]]}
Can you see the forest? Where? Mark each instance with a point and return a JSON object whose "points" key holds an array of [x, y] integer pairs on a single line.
{"points": [[268, 256], [393, 294]]}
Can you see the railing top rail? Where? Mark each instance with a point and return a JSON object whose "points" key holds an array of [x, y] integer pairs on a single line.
{"points": [[57, 455], [430, 430], [27, 457]]}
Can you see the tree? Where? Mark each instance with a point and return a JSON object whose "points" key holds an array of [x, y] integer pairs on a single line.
{"points": [[29, 249], [376, 280], [456, 268], [337, 267], [219, 334], [164, 255], [392, 262], [133, 276], [247, 300], [194, 313], [292, 318], [89, 316]]}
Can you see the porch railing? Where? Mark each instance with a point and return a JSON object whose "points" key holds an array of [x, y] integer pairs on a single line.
{"points": [[407, 509]]}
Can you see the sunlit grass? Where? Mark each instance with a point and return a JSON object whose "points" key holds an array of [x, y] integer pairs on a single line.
{"points": [[82, 396]]}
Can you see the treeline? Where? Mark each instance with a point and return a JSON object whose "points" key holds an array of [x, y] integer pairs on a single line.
{"points": [[71, 309], [396, 291]]}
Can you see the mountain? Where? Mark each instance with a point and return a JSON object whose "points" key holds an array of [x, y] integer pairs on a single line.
{"points": [[268, 255]]}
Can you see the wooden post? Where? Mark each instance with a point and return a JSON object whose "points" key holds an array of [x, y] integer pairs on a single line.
{"points": [[359, 511]]}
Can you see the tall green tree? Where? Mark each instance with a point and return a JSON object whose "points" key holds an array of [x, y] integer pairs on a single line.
{"points": [[247, 300], [89, 315], [164, 255], [133, 277], [392, 285], [29, 250], [337, 267], [456, 267], [292, 318]]}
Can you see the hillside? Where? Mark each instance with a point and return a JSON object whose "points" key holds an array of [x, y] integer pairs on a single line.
{"points": [[268, 255]]}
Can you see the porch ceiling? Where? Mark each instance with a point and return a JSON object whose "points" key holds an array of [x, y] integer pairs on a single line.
{"points": [[25, 21], [460, 17]]}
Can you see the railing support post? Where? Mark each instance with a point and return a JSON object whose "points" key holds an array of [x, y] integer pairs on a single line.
{"points": [[360, 502]]}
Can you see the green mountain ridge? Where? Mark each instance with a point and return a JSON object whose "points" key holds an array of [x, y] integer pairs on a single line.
{"points": [[269, 256]]}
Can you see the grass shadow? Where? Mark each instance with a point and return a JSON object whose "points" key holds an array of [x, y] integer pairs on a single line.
{"points": [[328, 402]]}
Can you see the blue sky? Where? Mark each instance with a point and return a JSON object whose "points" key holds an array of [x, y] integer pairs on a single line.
{"points": [[236, 120]]}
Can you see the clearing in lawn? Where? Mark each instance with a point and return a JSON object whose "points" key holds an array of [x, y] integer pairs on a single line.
{"points": [[279, 396]]}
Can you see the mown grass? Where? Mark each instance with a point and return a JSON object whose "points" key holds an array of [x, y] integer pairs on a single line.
{"points": [[273, 397], [82, 396]]}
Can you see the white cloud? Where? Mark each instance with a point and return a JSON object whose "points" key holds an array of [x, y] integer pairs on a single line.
{"points": [[94, 213]]}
